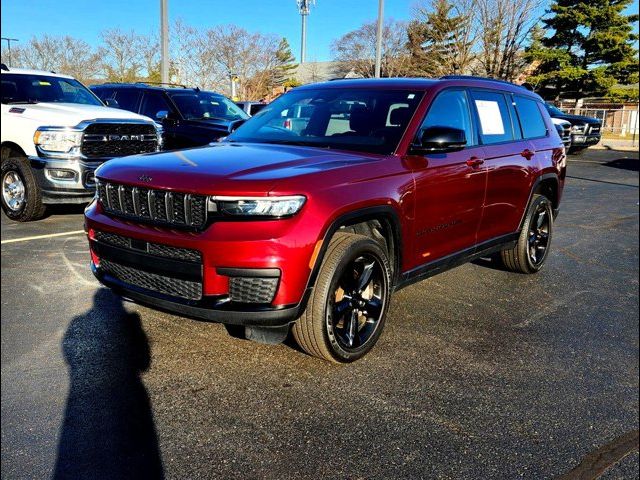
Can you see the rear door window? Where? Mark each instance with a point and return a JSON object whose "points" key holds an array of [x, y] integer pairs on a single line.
{"points": [[494, 121], [531, 119]]}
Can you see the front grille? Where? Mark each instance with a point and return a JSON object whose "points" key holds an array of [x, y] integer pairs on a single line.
{"points": [[154, 206], [157, 249], [108, 140], [252, 289], [174, 287]]}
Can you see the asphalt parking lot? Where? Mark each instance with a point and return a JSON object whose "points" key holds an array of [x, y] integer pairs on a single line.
{"points": [[480, 373]]}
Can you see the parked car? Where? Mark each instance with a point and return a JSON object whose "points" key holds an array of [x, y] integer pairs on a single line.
{"points": [[55, 132], [585, 131], [316, 228], [564, 130], [251, 108], [190, 117]]}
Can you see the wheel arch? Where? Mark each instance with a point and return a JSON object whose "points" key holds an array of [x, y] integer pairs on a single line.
{"points": [[548, 185], [366, 221], [8, 148]]}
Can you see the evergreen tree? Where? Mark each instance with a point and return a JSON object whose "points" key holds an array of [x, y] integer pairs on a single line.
{"points": [[284, 63], [589, 49], [438, 41]]}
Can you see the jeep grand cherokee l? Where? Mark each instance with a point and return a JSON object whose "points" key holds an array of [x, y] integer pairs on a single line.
{"points": [[390, 181]]}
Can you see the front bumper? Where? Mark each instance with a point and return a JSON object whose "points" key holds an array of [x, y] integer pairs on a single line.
{"points": [[227, 282], [582, 140], [78, 189], [213, 309]]}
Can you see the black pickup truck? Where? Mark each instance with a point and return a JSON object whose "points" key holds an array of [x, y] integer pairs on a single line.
{"points": [[585, 131]]}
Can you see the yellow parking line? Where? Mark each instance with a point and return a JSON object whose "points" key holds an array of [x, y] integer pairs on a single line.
{"points": [[38, 237]]}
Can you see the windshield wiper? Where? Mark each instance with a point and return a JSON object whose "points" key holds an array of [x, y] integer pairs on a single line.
{"points": [[22, 102], [299, 143]]}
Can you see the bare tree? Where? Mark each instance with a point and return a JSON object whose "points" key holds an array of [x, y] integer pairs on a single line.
{"points": [[355, 51], [66, 55], [504, 27], [122, 60]]}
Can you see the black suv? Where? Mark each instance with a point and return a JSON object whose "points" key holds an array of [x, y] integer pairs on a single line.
{"points": [[190, 117], [585, 131]]}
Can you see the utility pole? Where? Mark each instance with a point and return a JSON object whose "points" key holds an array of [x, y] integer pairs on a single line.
{"points": [[9, 40], [304, 8], [164, 42], [379, 37]]}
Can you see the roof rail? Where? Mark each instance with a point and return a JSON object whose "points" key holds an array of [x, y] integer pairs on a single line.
{"points": [[164, 83], [472, 77], [4, 67]]}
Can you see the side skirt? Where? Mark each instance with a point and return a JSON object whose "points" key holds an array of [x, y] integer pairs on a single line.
{"points": [[456, 259]]}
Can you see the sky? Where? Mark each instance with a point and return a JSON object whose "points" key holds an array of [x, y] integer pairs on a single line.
{"points": [[329, 19]]}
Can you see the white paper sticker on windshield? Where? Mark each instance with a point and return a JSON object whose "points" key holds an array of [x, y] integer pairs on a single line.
{"points": [[490, 118]]}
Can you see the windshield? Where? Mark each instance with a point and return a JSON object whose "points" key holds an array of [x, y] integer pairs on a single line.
{"points": [[207, 106], [554, 110], [18, 88], [349, 119]]}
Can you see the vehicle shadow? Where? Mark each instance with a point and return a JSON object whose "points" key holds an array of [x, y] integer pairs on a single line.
{"points": [[631, 164], [108, 430]]}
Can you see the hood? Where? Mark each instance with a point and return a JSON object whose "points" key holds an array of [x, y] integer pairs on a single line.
{"points": [[71, 114], [577, 119], [560, 121], [229, 168]]}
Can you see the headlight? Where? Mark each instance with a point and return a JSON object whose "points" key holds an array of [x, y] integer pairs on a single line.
{"points": [[58, 141], [578, 128], [274, 207]]}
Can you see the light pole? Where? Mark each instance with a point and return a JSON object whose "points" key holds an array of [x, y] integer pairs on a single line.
{"points": [[9, 40], [379, 37], [164, 42], [304, 8]]}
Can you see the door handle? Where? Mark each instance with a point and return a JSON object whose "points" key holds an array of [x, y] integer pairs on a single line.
{"points": [[528, 154], [475, 162]]}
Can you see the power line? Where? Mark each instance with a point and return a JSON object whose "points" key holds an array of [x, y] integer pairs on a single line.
{"points": [[9, 40]]}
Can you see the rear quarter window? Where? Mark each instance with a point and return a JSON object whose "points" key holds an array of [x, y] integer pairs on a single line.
{"points": [[531, 119]]}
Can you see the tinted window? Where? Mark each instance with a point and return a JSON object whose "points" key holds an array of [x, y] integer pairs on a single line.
{"points": [[363, 119], [531, 120], [197, 105], [493, 117], [256, 107], [153, 103], [18, 88], [103, 93], [451, 109], [127, 99]]}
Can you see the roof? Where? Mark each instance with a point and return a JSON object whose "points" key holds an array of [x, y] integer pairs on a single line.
{"points": [[148, 86], [26, 71], [422, 84]]}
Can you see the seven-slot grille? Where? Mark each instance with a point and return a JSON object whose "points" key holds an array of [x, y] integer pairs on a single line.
{"points": [[108, 140], [154, 206]]}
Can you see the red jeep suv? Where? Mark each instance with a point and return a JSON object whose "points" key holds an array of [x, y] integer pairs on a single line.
{"points": [[314, 211]]}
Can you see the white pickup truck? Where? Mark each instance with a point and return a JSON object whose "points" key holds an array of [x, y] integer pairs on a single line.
{"points": [[55, 133]]}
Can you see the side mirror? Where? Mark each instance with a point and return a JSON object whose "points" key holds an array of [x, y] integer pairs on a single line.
{"points": [[439, 140], [162, 115], [112, 102]]}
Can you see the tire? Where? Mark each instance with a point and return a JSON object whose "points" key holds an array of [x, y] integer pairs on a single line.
{"points": [[343, 320], [531, 251], [576, 150], [21, 195]]}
